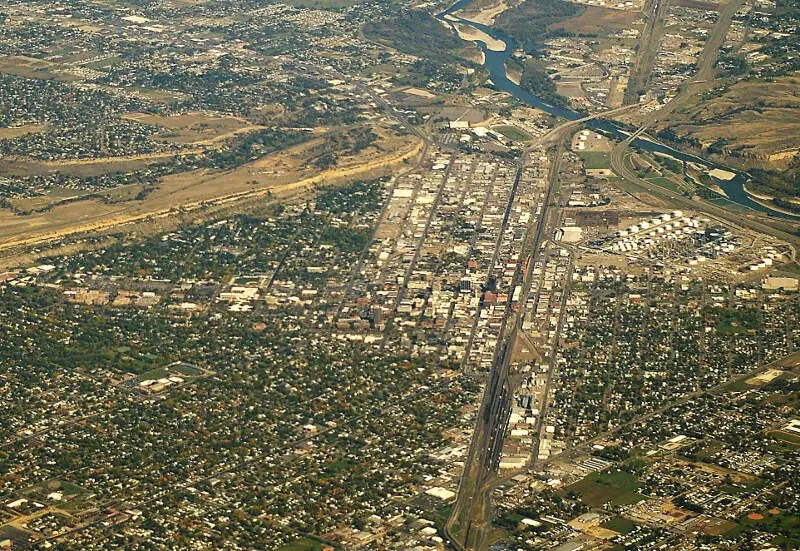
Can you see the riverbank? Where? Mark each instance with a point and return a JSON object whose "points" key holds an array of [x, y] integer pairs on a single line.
{"points": [[487, 15], [766, 201], [471, 34]]}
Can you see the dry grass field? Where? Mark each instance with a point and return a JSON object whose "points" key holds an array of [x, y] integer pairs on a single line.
{"points": [[601, 21], [756, 118], [30, 67], [195, 128], [20, 166], [279, 176], [194, 131], [16, 131], [485, 11]]}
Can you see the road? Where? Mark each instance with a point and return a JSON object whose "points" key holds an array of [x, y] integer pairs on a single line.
{"points": [[704, 78], [649, 42], [350, 290], [495, 256], [585, 447], [540, 425], [417, 251], [554, 135]]}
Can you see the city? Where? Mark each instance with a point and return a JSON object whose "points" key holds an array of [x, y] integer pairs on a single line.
{"points": [[354, 275]]}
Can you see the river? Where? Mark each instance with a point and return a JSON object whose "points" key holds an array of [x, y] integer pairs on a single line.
{"points": [[495, 63]]}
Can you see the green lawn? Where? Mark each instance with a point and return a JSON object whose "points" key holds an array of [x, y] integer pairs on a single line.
{"points": [[619, 524], [739, 385], [181, 369], [513, 133], [730, 322], [305, 544], [786, 528], [617, 487], [664, 182], [623, 184], [595, 159], [727, 203], [335, 467], [785, 437], [67, 487]]}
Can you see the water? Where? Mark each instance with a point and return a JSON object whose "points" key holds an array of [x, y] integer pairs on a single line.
{"points": [[495, 62]]}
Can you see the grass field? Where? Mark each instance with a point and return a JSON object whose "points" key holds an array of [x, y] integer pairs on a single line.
{"points": [[51, 196], [739, 385], [595, 159], [16, 131], [758, 117], [305, 544], [181, 369], [324, 4], [86, 167], [599, 21], [67, 487], [29, 67], [513, 133], [727, 203], [599, 488], [194, 128], [786, 437], [281, 176], [664, 182], [14, 534], [777, 522], [619, 524]]}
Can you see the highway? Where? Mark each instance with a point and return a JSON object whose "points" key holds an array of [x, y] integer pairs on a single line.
{"points": [[704, 78], [649, 42]]}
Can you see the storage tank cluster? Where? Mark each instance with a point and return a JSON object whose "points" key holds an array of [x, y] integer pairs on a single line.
{"points": [[767, 261], [720, 242], [646, 233]]}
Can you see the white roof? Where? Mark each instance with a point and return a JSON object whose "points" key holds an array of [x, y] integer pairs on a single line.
{"points": [[442, 493]]}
